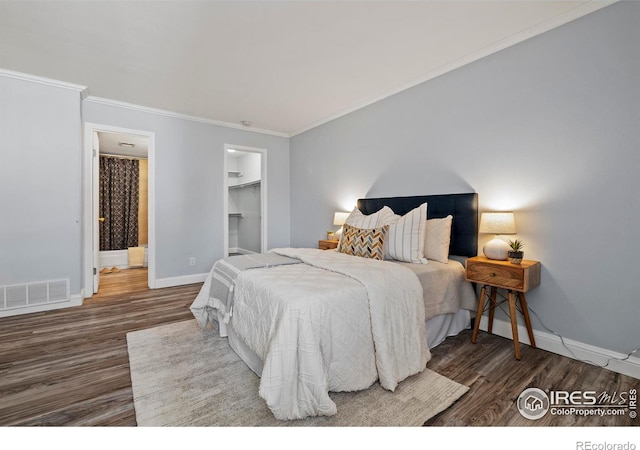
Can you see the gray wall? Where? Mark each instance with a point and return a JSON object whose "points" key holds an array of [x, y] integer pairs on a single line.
{"points": [[189, 185], [549, 128], [40, 180], [41, 190]]}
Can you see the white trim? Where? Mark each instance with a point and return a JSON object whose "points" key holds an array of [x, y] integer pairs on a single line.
{"points": [[175, 115], [151, 244], [225, 200], [88, 220], [42, 80], [552, 343], [263, 194], [181, 281], [549, 24], [74, 300]]}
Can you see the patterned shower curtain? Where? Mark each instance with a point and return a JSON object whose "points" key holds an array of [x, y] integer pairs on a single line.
{"points": [[119, 193]]}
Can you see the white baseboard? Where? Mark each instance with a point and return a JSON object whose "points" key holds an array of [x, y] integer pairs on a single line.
{"points": [[74, 300], [581, 351], [180, 281]]}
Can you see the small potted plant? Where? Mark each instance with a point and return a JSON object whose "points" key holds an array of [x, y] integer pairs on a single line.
{"points": [[516, 254]]}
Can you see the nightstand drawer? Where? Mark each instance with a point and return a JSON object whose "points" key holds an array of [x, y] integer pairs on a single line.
{"points": [[502, 274], [496, 276], [327, 244]]}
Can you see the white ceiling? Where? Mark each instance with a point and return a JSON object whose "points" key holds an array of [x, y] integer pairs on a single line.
{"points": [[111, 144], [285, 66]]}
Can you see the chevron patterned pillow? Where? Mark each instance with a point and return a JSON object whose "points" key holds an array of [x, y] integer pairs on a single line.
{"points": [[363, 242]]}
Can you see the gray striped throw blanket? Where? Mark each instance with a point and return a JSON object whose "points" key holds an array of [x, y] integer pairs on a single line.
{"points": [[215, 299]]}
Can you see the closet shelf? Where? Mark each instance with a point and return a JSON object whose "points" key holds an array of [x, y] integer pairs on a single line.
{"points": [[238, 186]]}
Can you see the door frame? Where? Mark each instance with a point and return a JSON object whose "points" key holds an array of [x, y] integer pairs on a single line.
{"points": [[263, 194], [90, 214]]}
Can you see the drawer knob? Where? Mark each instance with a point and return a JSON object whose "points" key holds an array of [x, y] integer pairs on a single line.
{"points": [[493, 274]]}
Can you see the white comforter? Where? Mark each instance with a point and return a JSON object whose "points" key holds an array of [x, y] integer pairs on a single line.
{"points": [[335, 323]]}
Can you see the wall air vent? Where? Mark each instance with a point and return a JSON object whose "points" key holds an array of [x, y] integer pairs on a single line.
{"points": [[58, 291], [16, 296], [37, 293], [33, 294]]}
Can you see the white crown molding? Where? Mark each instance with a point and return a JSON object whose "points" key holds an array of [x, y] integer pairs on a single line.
{"points": [[42, 80], [554, 22], [165, 113], [579, 351]]}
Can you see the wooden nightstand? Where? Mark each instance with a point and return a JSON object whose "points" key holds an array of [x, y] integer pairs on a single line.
{"points": [[327, 245], [516, 278]]}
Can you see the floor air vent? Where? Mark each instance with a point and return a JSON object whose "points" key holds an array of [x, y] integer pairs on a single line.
{"points": [[33, 294]]}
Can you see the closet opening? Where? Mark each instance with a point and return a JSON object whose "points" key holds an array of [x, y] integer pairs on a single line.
{"points": [[245, 200]]}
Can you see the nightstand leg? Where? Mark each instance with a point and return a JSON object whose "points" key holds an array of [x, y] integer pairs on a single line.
{"points": [[514, 324], [527, 319], [492, 307], [476, 327]]}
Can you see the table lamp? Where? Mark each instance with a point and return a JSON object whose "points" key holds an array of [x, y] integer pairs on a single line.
{"points": [[339, 219], [497, 223]]}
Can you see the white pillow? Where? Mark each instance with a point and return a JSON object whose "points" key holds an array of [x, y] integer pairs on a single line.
{"points": [[375, 220], [437, 238], [405, 239]]}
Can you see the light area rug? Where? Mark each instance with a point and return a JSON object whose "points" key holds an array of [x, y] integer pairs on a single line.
{"points": [[184, 376]]}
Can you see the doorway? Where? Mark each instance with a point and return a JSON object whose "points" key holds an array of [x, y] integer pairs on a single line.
{"points": [[109, 147], [245, 197]]}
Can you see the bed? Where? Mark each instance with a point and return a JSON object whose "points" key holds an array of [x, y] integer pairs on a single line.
{"points": [[310, 322]]}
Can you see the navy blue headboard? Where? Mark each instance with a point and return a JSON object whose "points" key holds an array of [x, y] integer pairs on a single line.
{"points": [[463, 208]]}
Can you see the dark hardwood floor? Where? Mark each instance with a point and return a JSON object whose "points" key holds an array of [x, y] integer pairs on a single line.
{"points": [[70, 367], [497, 379]]}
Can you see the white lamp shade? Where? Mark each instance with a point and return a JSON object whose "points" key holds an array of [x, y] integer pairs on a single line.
{"points": [[497, 223], [339, 218]]}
